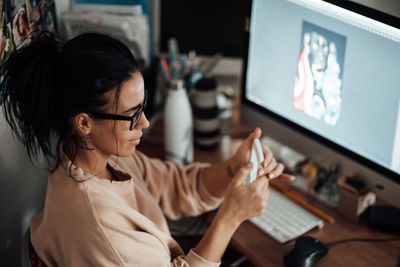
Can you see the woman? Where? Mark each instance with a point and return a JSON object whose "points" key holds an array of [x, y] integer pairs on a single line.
{"points": [[105, 201]]}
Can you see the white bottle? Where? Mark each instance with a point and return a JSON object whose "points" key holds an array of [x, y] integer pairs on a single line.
{"points": [[178, 124]]}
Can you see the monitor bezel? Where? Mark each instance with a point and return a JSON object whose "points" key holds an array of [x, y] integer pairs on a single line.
{"points": [[367, 163]]}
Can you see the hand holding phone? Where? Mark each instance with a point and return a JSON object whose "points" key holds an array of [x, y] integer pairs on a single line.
{"points": [[256, 157]]}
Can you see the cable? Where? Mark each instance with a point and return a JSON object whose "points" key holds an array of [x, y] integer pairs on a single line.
{"points": [[362, 240]]}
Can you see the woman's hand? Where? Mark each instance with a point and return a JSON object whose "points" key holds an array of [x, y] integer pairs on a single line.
{"points": [[244, 201], [241, 201], [271, 167]]}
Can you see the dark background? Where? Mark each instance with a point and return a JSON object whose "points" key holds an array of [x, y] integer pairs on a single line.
{"points": [[207, 26]]}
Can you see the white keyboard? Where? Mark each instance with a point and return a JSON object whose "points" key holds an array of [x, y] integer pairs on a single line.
{"points": [[285, 220]]}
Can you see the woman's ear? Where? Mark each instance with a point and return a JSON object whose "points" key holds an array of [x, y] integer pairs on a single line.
{"points": [[83, 123]]}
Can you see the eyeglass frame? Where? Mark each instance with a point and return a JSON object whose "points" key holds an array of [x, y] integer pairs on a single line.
{"points": [[137, 114]]}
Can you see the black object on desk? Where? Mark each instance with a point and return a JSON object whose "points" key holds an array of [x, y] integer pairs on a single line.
{"points": [[307, 252], [205, 114], [385, 218]]}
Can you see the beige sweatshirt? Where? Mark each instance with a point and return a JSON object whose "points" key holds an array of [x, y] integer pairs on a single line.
{"points": [[88, 221]]}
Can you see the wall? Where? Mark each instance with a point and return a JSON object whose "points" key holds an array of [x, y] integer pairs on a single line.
{"points": [[22, 190], [391, 7]]}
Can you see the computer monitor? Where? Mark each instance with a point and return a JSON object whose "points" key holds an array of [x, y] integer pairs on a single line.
{"points": [[323, 77]]}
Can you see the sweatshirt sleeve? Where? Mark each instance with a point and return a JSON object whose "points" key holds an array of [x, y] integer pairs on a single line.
{"points": [[179, 189], [193, 260]]}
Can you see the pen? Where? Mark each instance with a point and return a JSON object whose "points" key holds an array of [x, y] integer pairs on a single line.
{"points": [[298, 199], [165, 69], [174, 60], [211, 65]]}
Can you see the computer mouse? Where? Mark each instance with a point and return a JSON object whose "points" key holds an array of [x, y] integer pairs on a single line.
{"points": [[307, 252]]}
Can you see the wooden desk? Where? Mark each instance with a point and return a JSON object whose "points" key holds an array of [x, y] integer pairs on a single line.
{"points": [[262, 250]]}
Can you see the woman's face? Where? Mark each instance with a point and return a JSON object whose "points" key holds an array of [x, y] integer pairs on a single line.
{"points": [[111, 137]]}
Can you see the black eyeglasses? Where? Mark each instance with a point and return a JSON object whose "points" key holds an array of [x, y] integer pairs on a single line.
{"points": [[134, 119]]}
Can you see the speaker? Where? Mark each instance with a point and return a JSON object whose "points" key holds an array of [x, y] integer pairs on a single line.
{"points": [[385, 218]]}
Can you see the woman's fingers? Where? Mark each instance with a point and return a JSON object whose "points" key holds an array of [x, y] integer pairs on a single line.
{"points": [[268, 168], [253, 135], [277, 171], [242, 174], [286, 177], [268, 156]]}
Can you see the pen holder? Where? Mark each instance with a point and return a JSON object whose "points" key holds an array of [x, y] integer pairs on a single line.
{"points": [[352, 204]]}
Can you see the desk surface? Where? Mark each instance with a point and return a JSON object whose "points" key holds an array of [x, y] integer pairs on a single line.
{"points": [[262, 250]]}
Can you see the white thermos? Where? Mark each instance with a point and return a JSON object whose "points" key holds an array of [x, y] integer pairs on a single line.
{"points": [[178, 124]]}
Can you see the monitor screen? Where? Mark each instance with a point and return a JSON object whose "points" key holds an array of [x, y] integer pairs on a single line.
{"points": [[330, 73]]}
